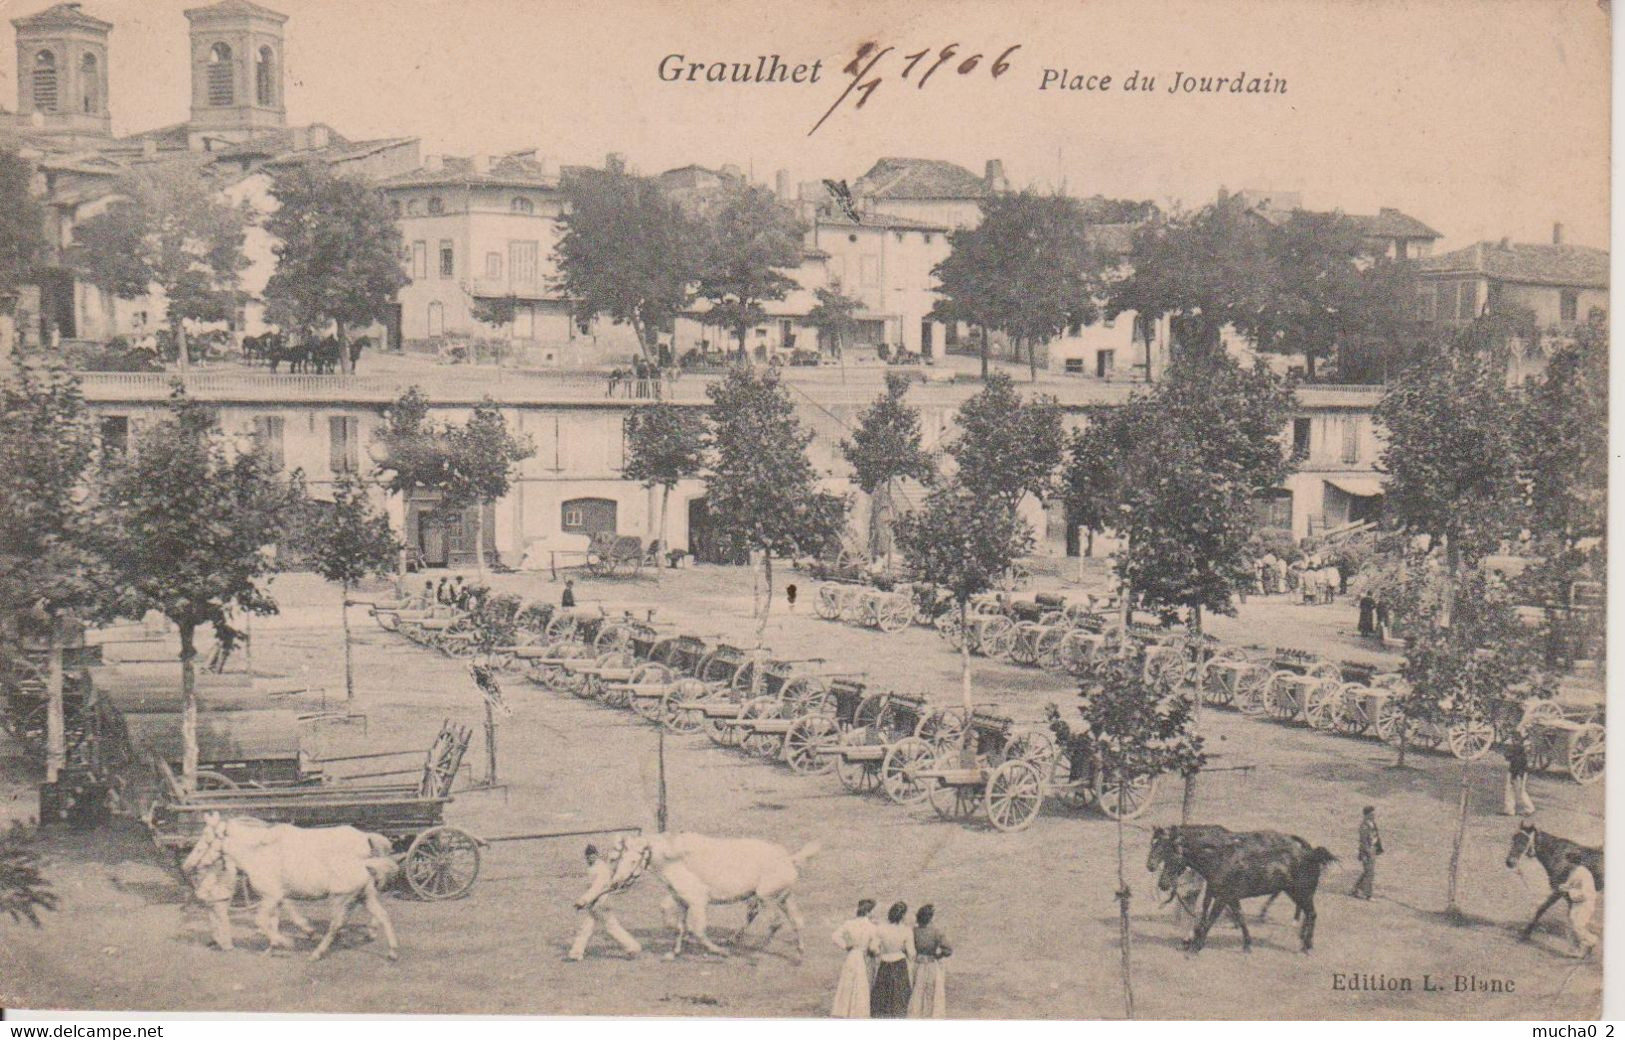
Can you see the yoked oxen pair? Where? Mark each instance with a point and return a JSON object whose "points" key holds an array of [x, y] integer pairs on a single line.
{"points": [[1237, 865], [699, 870], [339, 864], [1552, 852]]}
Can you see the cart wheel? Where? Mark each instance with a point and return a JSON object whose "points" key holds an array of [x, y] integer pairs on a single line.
{"points": [[1024, 646], [1351, 719], [1392, 723], [896, 614], [762, 745], [868, 712], [1279, 697], [808, 736], [948, 627], [1586, 747], [1137, 794], [998, 637], [1470, 740], [1323, 705], [1037, 748], [903, 759], [857, 777], [1327, 670], [442, 863], [209, 780], [1014, 795], [827, 603], [953, 801], [1251, 683], [1536, 711], [944, 727], [675, 711]]}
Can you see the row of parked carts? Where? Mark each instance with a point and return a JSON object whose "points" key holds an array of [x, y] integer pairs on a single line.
{"points": [[1347, 698], [801, 713]]}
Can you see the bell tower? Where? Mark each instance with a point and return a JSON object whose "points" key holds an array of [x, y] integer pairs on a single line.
{"points": [[62, 72], [236, 71]]}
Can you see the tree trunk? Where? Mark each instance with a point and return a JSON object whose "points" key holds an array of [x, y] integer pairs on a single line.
{"points": [[878, 503], [964, 655], [349, 671], [1309, 365], [479, 539], [490, 744], [662, 818], [767, 600], [1123, 897], [56, 730], [1187, 803], [177, 330], [1404, 739], [345, 364], [665, 501], [188, 707], [1032, 361], [984, 351], [1460, 838]]}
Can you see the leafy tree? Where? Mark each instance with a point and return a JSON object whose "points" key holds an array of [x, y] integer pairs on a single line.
{"points": [[884, 449], [346, 541], [964, 542], [168, 228], [1192, 454], [665, 444], [22, 221], [834, 316], [1458, 663], [1027, 269], [185, 529], [1451, 455], [1307, 284], [338, 253], [762, 491], [747, 238], [1008, 448], [1325, 289], [497, 312], [411, 452], [24, 890], [1206, 269], [481, 455], [1196, 450], [48, 563], [627, 251], [1563, 447], [1094, 469], [1132, 727]]}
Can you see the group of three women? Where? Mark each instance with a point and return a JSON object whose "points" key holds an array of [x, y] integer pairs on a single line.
{"points": [[891, 970]]}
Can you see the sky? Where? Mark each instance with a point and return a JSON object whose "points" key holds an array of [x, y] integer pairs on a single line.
{"points": [[1483, 118]]}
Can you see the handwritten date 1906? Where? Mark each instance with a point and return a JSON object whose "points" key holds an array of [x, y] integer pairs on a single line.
{"points": [[865, 80]]}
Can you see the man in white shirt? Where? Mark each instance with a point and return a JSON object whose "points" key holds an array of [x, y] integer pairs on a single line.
{"points": [[592, 910], [1581, 889]]}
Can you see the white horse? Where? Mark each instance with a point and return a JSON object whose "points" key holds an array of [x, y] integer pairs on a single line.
{"points": [[700, 870], [283, 862]]}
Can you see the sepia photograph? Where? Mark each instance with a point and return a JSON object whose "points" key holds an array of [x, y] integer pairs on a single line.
{"points": [[803, 509]]}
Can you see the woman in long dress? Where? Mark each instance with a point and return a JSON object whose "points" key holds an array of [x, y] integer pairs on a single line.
{"points": [[929, 999], [857, 971], [893, 947]]}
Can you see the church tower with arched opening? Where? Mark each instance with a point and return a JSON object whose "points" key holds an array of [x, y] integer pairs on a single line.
{"points": [[62, 73], [237, 78]]}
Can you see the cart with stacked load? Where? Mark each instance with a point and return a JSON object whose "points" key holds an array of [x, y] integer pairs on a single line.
{"points": [[438, 861]]}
